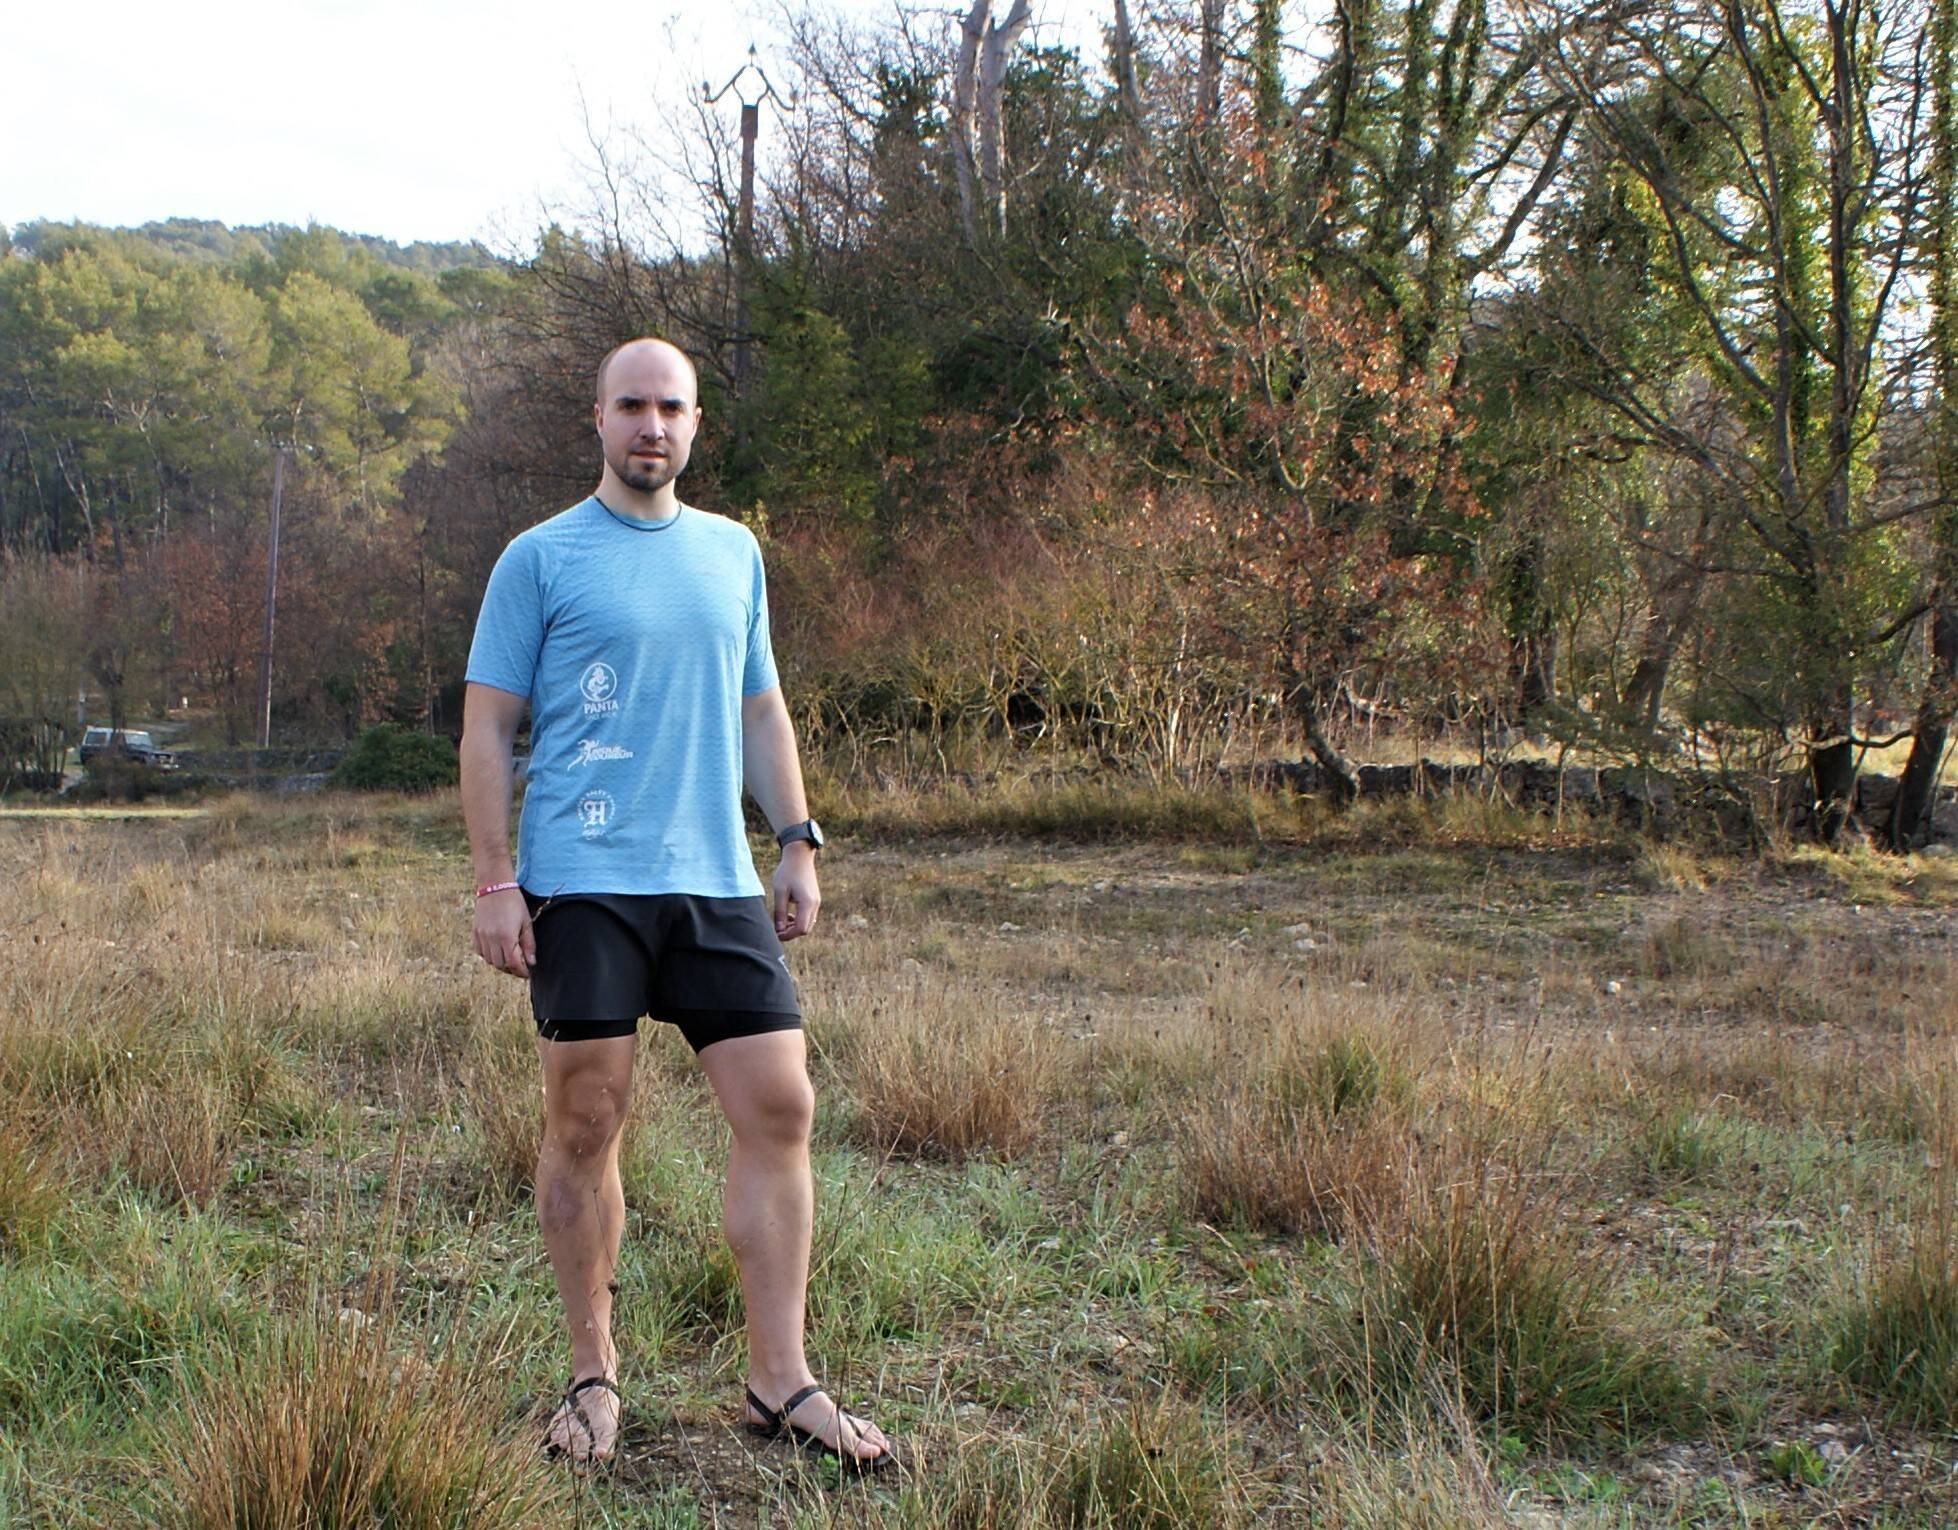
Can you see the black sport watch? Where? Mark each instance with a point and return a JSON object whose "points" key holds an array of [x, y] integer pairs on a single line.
{"points": [[808, 830]]}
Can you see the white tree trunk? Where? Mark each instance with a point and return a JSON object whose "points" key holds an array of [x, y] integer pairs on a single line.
{"points": [[965, 115], [999, 41]]}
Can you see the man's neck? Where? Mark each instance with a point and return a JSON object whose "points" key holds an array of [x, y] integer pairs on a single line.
{"points": [[661, 504]]}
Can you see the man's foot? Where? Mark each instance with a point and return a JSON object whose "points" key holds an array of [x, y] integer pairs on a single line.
{"points": [[813, 1421], [585, 1428]]}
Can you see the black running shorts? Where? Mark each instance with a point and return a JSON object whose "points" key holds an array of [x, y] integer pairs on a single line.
{"points": [[711, 966]]}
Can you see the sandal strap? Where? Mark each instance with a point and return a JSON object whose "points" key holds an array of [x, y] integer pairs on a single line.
{"points": [[769, 1417], [801, 1397], [594, 1381]]}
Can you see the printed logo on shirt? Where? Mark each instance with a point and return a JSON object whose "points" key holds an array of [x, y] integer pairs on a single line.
{"points": [[591, 749], [599, 684], [595, 810]]}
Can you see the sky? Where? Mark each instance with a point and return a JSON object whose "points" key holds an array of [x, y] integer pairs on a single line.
{"points": [[410, 119]]}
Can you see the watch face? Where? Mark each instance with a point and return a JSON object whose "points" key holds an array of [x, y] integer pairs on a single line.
{"points": [[815, 834]]}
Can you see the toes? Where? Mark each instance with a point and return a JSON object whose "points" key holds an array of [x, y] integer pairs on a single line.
{"points": [[580, 1440], [865, 1440], [844, 1433], [560, 1435]]}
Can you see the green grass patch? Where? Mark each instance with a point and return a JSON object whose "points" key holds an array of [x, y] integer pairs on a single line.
{"points": [[1894, 1335]]}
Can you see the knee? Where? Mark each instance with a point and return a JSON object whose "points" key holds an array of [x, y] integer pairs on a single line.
{"points": [[781, 1115], [582, 1127]]}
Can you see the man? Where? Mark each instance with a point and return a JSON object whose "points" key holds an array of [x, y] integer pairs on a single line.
{"points": [[636, 629]]}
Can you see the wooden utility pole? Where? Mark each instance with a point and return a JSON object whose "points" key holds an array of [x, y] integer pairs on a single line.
{"points": [[751, 87], [271, 600], [745, 246]]}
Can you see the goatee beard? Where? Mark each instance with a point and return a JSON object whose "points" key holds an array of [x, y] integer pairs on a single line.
{"points": [[645, 480]]}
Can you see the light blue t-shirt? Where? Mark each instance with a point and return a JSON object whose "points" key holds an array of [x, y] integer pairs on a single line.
{"points": [[634, 642]]}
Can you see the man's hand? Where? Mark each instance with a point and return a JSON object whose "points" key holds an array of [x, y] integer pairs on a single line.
{"points": [[796, 895], [503, 937]]}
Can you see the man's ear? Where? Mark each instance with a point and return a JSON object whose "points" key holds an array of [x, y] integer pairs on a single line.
{"points": [[598, 417]]}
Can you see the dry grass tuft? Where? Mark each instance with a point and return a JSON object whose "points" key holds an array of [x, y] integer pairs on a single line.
{"points": [[1895, 1333], [503, 1091], [936, 1079], [1262, 1163], [1678, 1145], [1303, 1128], [1479, 1275], [1684, 946], [173, 1136], [1429, 1483], [31, 1196], [1673, 867], [332, 1429], [1159, 1467], [1147, 1466]]}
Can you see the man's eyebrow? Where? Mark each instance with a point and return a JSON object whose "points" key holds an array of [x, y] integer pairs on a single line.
{"points": [[634, 400]]}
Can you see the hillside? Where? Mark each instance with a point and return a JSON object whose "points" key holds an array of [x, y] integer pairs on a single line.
{"points": [[208, 240]]}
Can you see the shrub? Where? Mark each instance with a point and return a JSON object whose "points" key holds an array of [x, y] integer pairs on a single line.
{"points": [[390, 758], [113, 780]]}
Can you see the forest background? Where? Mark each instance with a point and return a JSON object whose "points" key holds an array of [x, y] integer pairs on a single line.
{"points": [[1429, 365]]}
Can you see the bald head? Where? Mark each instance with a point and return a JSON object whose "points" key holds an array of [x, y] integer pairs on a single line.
{"points": [[647, 412], [649, 347]]}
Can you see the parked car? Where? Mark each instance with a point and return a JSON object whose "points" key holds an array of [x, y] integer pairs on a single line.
{"points": [[130, 744]]}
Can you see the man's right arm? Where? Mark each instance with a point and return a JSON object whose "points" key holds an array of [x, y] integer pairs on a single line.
{"points": [[489, 730]]}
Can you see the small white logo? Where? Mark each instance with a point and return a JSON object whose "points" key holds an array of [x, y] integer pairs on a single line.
{"points": [[595, 811], [590, 749], [599, 684]]}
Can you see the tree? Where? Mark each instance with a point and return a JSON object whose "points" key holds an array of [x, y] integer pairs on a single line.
{"points": [[216, 592], [1245, 373], [345, 393], [1776, 146], [44, 634], [979, 117], [1917, 791]]}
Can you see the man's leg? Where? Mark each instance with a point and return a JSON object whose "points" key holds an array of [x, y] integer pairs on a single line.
{"points": [[581, 1212], [763, 1085]]}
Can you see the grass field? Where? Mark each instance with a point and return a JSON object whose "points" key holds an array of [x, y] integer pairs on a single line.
{"points": [[1417, 1168]]}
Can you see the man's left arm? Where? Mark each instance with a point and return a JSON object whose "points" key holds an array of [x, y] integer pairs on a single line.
{"points": [[773, 775]]}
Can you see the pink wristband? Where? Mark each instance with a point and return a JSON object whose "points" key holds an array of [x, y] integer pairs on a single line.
{"points": [[495, 887]]}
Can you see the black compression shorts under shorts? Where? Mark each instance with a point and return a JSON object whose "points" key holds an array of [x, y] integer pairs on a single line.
{"points": [[711, 966]]}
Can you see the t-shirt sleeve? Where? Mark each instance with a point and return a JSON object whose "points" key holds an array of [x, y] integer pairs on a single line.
{"points": [[759, 673], [510, 626]]}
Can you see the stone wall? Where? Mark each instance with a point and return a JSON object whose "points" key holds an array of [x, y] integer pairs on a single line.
{"points": [[1661, 802]]}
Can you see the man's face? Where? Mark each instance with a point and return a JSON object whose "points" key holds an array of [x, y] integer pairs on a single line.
{"points": [[647, 418]]}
